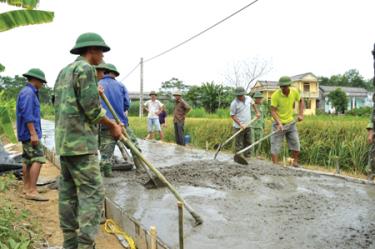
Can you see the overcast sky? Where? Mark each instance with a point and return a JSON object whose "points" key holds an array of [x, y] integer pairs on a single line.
{"points": [[296, 36]]}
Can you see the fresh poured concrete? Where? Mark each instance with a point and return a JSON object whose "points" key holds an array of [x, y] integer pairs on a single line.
{"points": [[254, 206]]}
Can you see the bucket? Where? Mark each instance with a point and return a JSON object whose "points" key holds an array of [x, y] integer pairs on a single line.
{"points": [[187, 139]]}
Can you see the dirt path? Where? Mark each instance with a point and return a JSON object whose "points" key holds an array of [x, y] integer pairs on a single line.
{"points": [[46, 213]]}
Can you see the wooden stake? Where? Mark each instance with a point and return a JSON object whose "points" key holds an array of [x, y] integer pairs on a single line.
{"points": [[153, 234], [180, 206]]}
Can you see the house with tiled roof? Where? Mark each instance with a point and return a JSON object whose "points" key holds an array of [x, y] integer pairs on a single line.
{"points": [[306, 83], [357, 97]]}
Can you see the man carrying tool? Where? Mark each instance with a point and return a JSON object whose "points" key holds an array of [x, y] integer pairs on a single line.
{"points": [[257, 127], [181, 108], [154, 108], [77, 114], [240, 112], [282, 111], [29, 132], [370, 169], [118, 96]]}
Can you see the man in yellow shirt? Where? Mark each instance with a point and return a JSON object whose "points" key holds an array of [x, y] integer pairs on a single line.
{"points": [[282, 106]]}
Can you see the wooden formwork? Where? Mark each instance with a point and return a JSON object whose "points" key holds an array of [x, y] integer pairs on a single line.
{"points": [[131, 226]]}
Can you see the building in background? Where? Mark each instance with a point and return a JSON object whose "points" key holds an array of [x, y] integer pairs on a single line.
{"points": [[357, 97], [306, 83]]}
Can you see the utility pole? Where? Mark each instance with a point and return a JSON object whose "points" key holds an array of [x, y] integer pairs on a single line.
{"points": [[141, 92]]}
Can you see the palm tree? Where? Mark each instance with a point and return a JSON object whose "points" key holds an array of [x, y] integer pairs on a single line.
{"points": [[26, 16]]}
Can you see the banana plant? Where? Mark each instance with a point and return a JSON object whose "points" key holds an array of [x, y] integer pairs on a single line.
{"points": [[27, 15]]}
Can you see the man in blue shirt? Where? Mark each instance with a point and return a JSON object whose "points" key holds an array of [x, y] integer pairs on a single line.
{"points": [[29, 132], [118, 96]]}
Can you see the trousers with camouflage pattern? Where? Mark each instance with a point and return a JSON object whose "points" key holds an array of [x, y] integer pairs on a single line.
{"points": [[107, 147], [81, 197], [256, 134]]}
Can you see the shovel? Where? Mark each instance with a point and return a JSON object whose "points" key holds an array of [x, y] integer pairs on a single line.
{"points": [[238, 156], [127, 142], [233, 136]]}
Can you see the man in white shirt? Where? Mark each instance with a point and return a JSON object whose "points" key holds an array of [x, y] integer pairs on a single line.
{"points": [[154, 108], [240, 112]]}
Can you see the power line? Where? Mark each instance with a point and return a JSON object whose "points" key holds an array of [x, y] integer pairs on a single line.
{"points": [[126, 76], [191, 38], [201, 33]]}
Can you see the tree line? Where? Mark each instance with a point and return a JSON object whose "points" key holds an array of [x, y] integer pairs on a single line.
{"points": [[208, 95]]}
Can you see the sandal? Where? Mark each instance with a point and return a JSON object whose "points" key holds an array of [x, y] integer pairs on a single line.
{"points": [[36, 197]]}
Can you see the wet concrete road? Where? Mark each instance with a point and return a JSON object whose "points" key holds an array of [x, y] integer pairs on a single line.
{"points": [[255, 206], [266, 210]]}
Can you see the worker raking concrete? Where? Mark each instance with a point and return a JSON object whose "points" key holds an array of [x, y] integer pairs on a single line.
{"points": [[283, 101], [77, 115], [118, 96], [241, 115], [257, 127]]}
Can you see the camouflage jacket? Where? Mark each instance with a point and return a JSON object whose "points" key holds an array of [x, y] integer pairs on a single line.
{"points": [[260, 122], [77, 109]]}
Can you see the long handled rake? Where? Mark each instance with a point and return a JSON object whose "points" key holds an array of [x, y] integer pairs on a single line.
{"points": [[233, 136], [133, 148]]}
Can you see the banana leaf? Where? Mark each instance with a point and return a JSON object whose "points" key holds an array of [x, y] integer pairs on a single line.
{"points": [[27, 4], [17, 18]]}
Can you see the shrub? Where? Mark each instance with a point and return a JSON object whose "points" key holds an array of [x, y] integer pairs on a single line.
{"points": [[361, 112]]}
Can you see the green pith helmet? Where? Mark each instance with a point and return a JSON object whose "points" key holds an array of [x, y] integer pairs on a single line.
{"points": [[152, 93], [109, 67], [89, 40], [36, 73], [239, 91], [258, 95], [285, 81]]}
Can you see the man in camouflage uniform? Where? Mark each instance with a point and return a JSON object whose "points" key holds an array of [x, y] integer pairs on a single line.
{"points": [[118, 96], [240, 112], [257, 127], [77, 114]]}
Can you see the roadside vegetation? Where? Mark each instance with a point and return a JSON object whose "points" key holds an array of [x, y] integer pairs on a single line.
{"points": [[322, 138], [17, 228]]}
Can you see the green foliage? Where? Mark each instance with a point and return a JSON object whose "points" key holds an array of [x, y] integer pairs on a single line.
{"points": [[28, 16], [6, 125], [351, 78], [6, 182], [13, 85], [168, 87], [362, 112], [339, 100], [2, 68], [47, 111], [17, 230], [322, 138], [17, 18], [26, 4], [210, 96]]}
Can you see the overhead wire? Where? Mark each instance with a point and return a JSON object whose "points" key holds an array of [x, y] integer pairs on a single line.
{"points": [[131, 71], [200, 33], [191, 38]]}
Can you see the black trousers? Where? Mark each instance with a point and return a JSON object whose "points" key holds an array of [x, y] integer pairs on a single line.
{"points": [[179, 133]]}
